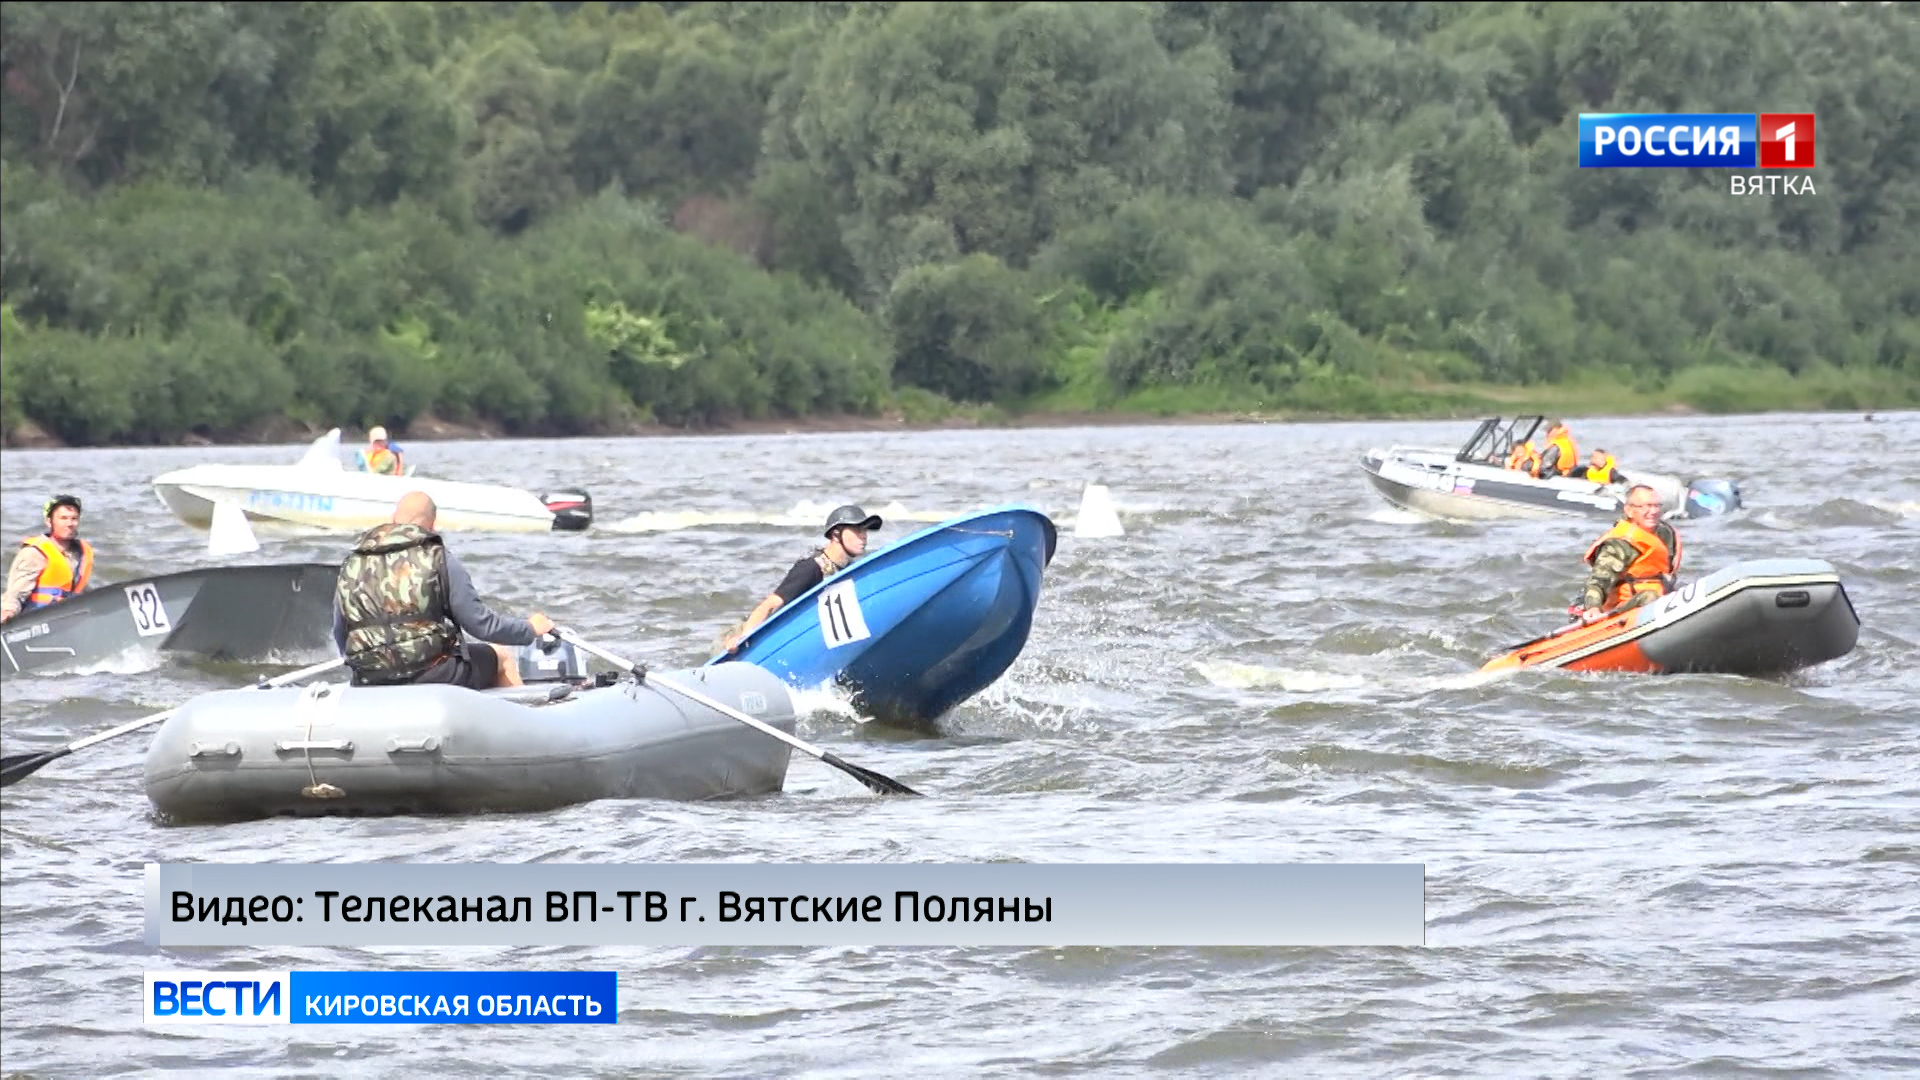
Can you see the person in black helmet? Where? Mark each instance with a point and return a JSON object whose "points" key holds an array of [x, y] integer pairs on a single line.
{"points": [[847, 530]]}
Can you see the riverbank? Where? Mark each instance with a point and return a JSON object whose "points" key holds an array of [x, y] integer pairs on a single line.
{"points": [[927, 413]]}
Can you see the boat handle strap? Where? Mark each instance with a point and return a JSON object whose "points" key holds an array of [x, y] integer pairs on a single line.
{"points": [[344, 746]]}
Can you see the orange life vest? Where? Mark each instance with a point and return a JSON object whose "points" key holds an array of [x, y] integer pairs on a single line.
{"points": [[385, 461], [60, 578], [1651, 571], [1569, 458], [1525, 458], [1603, 472]]}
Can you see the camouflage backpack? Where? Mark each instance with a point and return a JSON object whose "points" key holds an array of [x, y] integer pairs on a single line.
{"points": [[393, 596]]}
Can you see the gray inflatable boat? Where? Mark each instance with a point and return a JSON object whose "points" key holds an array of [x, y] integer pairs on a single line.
{"points": [[334, 749]]}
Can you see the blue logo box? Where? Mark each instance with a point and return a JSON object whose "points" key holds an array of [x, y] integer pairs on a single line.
{"points": [[1668, 140]]}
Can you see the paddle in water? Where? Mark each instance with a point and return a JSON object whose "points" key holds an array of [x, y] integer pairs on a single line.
{"points": [[17, 767], [879, 784]]}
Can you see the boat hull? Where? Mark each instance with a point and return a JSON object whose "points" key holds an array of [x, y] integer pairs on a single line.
{"points": [[1437, 484], [1763, 617], [246, 613], [336, 750], [917, 628], [337, 500]]}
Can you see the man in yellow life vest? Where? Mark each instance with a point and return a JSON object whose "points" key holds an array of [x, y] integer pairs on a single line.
{"points": [[1602, 470], [1634, 563], [379, 457], [51, 567]]}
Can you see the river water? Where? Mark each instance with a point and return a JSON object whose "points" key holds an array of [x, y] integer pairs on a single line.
{"points": [[1683, 875]]}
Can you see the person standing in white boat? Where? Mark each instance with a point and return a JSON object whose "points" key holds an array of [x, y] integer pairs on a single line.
{"points": [[403, 600], [847, 529]]}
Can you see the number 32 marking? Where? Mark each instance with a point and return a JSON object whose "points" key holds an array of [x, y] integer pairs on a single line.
{"points": [[841, 622], [149, 614]]}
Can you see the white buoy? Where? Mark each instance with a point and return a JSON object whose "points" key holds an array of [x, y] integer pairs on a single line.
{"points": [[231, 534], [1097, 517]]}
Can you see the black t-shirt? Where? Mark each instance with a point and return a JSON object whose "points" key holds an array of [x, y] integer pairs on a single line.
{"points": [[804, 575]]}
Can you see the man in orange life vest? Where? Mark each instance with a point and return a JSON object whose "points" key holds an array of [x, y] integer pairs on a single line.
{"points": [[380, 456], [51, 567], [1556, 457], [1635, 562]]}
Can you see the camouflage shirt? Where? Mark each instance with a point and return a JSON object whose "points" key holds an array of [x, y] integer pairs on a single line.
{"points": [[392, 597], [1611, 561]]}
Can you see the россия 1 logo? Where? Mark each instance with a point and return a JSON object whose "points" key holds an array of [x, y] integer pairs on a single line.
{"points": [[1705, 140]]}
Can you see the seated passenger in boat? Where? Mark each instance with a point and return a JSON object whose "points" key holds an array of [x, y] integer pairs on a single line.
{"points": [[1558, 457], [1635, 563], [50, 567], [1602, 470], [1525, 458], [380, 456], [403, 601], [847, 529]]}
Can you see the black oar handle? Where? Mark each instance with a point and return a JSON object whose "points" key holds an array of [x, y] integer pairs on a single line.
{"points": [[20, 766]]}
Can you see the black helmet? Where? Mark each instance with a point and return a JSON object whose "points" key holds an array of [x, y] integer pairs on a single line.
{"points": [[59, 501], [851, 515]]}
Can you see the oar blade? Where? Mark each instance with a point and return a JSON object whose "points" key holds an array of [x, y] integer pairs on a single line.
{"points": [[17, 767], [878, 784]]}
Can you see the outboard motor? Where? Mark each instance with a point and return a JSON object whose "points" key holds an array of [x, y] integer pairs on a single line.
{"points": [[1706, 498], [557, 661], [572, 510]]}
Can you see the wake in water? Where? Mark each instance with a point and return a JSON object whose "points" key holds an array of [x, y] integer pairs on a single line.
{"points": [[1231, 675], [1839, 513], [802, 515], [807, 514], [1391, 515], [825, 701], [1909, 509], [133, 660]]}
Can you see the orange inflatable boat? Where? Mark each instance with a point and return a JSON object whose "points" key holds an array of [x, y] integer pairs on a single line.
{"points": [[1752, 618]]}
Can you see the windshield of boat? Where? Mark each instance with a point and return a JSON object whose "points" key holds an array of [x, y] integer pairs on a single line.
{"points": [[1494, 439]]}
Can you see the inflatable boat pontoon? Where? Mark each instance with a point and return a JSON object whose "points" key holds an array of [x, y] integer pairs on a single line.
{"points": [[329, 748], [1753, 618]]}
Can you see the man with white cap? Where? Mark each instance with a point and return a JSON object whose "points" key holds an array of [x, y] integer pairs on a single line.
{"points": [[847, 529], [379, 457]]}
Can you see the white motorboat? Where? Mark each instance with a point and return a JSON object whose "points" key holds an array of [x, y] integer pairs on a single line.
{"points": [[1474, 484], [318, 493]]}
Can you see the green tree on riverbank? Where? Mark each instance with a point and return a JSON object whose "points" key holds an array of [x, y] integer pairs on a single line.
{"points": [[574, 217]]}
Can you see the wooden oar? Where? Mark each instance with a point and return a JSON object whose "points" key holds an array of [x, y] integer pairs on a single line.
{"points": [[17, 767], [883, 785]]}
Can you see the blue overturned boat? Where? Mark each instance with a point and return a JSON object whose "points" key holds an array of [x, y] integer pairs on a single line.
{"points": [[918, 627]]}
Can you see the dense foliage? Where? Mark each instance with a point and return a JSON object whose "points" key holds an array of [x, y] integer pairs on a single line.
{"points": [[570, 217]]}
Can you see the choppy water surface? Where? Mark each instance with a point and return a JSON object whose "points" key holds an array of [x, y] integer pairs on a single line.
{"points": [[1679, 875]]}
